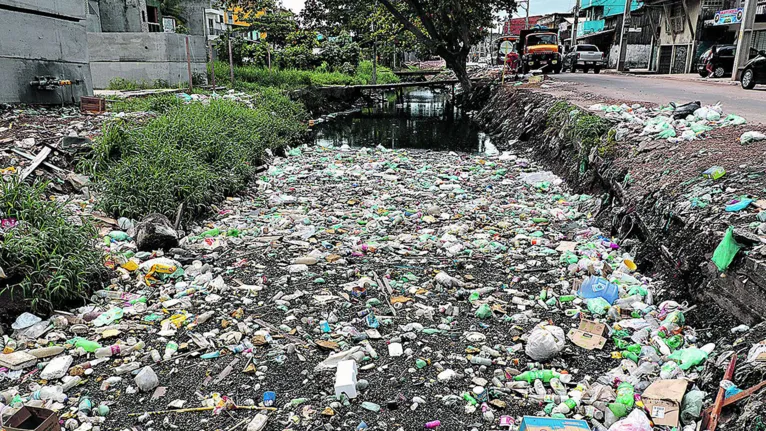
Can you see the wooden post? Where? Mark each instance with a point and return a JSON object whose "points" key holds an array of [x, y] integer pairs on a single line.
{"points": [[188, 64], [212, 65], [231, 64]]}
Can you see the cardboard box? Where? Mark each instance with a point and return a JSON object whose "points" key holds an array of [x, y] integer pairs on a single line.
{"points": [[33, 419], [589, 336], [534, 423], [663, 401]]}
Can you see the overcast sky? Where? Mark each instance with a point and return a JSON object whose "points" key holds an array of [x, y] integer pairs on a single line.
{"points": [[537, 7]]}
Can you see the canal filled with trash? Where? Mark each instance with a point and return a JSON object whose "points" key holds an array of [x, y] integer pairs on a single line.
{"points": [[364, 283]]}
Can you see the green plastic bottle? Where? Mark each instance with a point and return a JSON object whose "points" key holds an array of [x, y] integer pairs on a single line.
{"points": [[210, 232], [87, 345], [674, 342], [625, 392], [531, 376]]}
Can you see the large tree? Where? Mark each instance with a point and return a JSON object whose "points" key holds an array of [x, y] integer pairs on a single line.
{"points": [[446, 27]]}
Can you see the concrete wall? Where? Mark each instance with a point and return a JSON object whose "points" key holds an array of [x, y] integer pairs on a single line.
{"points": [[144, 57], [123, 15], [43, 38], [93, 22], [636, 56], [194, 16]]}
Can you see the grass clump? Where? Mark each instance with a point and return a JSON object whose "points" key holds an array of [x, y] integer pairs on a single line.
{"points": [[195, 154], [49, 255], [254, 77], [157, 103], [131, 85], [587, 131]]}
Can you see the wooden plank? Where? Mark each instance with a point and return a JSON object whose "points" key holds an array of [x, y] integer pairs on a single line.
{"points": [[35, 162], [31, 157], [710, 418]]}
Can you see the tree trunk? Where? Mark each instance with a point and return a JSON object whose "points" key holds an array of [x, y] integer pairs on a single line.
{"points": [[457, 64]]}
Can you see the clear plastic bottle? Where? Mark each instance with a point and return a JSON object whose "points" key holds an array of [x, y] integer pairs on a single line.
{"points": [[53, 393], [170, 349], [118, 350]]}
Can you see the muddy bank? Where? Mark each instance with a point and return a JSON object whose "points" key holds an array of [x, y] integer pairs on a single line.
{"points": [[645, 192]]}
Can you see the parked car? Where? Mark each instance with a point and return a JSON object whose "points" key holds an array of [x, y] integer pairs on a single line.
{"points": [[717, 61], [755, 71], [585, 57]]}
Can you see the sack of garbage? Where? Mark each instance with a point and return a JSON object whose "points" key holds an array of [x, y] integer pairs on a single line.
{"points": [[667, 133], [688, 135], [702, 113], [682, 111], [748, 137], [691, 407], [545, 342], [713, 116], [734, 120]]}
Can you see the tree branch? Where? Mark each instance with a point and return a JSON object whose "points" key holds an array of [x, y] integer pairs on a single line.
{"points": [[425, 19], [408, 24]]}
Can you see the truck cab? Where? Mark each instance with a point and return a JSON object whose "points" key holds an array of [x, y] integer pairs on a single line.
{"points": [[539, 49]]}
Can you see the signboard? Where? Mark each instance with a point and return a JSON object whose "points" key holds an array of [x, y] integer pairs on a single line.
{"points": [[634, 30], [729, 16], [506, 47]]}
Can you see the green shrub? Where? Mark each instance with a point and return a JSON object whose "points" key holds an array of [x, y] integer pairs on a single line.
{"points": [[195, 154], [252, 77], [51, 256], [130, 85]]}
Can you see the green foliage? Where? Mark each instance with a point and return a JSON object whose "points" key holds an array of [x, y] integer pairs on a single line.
{"points": [[130, 85], [585, 130], [341, 54], [253, 78], [194, 154], [160, 104], [295, 57], [50, 257]]}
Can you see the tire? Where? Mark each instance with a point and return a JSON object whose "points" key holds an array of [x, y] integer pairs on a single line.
{"points": [[748, 79], [597, 70], [703, 73], [718, 72], [524, 69], [557, 70]]}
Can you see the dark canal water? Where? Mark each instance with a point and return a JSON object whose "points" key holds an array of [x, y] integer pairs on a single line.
{"points": [[422, 119]]}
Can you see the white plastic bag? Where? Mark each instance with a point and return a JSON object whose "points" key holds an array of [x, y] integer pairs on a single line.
{"points": [[545, 342], [636, 421]]}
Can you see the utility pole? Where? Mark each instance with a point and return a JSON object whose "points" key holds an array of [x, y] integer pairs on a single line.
{"points": [[231, 63], [526, 21], [575, 24], [212, 64], [374, 49], [623, 36], [188, 65]]}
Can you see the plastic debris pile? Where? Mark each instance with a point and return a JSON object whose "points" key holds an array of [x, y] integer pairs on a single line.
{"points": [[370, 288]]}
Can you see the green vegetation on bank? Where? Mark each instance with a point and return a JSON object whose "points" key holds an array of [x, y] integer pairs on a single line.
{"points": [[253, 77], [50, 256], [194, 154], [584, 129]]}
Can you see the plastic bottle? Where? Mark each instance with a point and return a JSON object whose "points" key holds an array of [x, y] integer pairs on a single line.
{"points": [[478, 360], [210, 232], [117, 350], [74, 381], [531, 376], [170, 349], [49, 393], [87, 345], [567, 406], [126, 368], [432, 425], [156, 357], [85, 405], [558, 387], [625, 392]]}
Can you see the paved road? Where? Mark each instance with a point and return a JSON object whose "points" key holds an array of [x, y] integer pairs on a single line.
{"points": [[750, 104]]}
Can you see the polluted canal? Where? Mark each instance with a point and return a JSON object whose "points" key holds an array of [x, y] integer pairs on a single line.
{"points": [[400, 274]]}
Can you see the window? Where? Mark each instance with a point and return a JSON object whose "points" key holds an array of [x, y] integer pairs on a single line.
{"points": [[541, 39], [153, 16], [587, 48]]}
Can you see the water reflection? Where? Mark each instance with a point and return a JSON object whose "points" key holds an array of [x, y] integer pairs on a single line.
{"points": [[419, 118]]}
